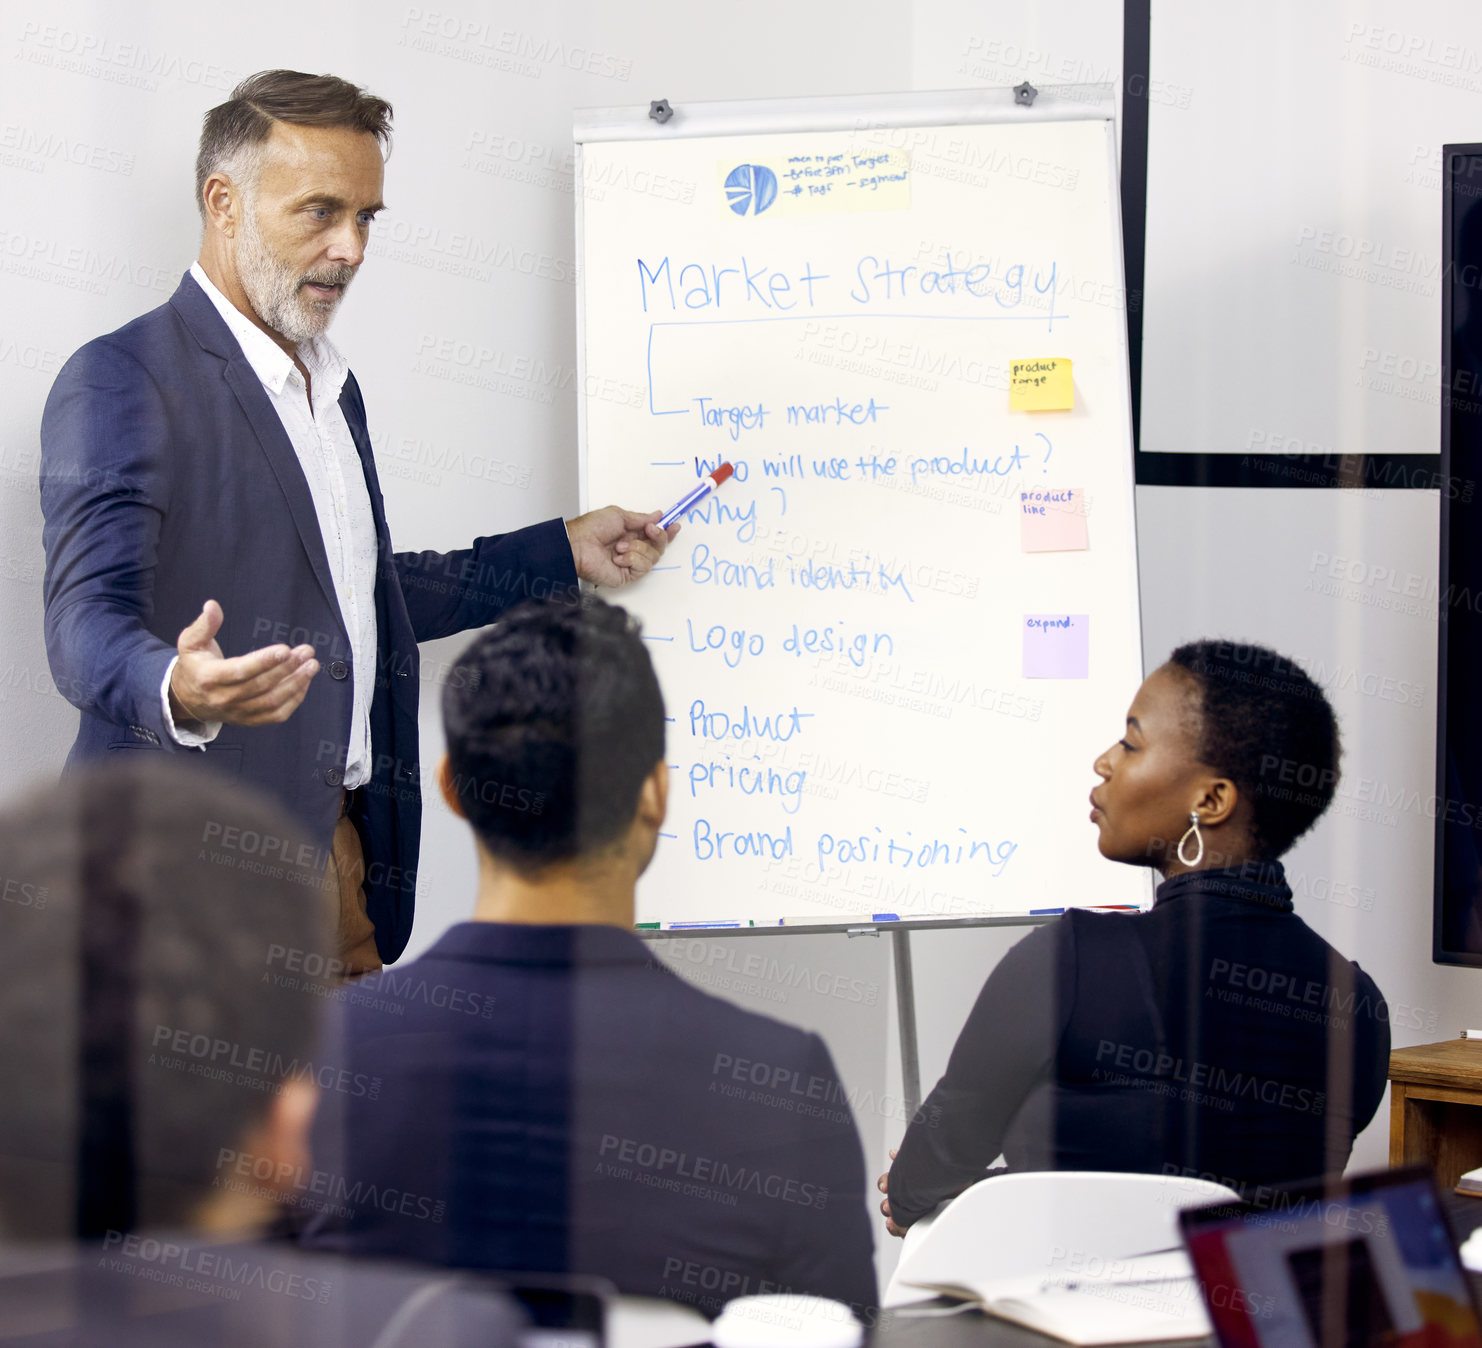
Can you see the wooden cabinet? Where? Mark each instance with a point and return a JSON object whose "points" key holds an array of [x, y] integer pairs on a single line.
{"points": [[1435, 1107]]}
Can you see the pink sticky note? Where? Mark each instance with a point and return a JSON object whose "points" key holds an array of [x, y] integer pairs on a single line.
{"points": [[1057, 646], [1052, 519]]}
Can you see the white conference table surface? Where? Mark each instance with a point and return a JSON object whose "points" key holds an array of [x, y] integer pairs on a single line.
{"points": [[973, 1329]]}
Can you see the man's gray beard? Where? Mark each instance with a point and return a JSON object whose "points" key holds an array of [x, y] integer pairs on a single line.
{"points": [[273, 287]]}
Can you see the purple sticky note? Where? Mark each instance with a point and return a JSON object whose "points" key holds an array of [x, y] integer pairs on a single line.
{"points": [[1057, 646]]}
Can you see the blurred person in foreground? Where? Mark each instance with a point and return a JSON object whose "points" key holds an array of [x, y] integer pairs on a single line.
{"points": [[159, 933], [577, 1105], [1217, 1035]]}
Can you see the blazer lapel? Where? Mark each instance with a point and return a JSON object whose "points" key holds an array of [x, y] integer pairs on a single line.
{"points": [[208, 329], [389, 626], [277, 448], [353, 406]]}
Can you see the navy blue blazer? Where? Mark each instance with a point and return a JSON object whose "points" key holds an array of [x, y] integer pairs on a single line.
{"points": [[167, 479], [553, 1099]]}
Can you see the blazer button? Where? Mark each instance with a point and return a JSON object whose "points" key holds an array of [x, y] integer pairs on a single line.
{"points": [[333, 776], [338, 669]]}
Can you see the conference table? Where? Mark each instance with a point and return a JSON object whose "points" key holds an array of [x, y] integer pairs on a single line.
{"points": [[972, 1329], [969, 1329]]}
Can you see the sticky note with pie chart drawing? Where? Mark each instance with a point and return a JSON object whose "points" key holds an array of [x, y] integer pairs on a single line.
{"points": [[1052, 519], [1041, 385], [1057, 646]]}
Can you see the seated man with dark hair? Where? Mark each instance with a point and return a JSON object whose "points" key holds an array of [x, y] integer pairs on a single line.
{"points": [[162, 939], [541, 1074]]}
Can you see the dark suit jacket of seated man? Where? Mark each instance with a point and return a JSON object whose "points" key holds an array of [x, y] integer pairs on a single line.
{"points": [[550, 1096]]}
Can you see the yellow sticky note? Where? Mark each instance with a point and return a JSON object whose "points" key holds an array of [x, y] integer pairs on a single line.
{"points": [[1042, 385]]}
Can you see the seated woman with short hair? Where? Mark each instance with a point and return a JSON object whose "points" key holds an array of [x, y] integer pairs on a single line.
{"points": [[1215, 1035]]}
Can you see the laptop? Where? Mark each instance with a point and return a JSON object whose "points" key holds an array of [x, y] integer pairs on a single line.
{"points": [[1353, 1262]]}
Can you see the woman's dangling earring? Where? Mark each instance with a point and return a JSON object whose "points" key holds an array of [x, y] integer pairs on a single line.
{"points": [[1193, 829]]}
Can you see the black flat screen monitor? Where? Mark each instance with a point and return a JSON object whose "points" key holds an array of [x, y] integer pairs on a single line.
{"points": [[1458, 897]]}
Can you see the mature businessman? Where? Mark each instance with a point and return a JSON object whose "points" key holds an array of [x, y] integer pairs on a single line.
{"points": [[219, 575]]}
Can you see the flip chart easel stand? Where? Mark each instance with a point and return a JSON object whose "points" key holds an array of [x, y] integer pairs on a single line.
{"points": [[905, 983], [905, 1011]]}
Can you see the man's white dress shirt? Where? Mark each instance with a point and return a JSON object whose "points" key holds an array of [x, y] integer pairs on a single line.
{"points": [[316, 426]]}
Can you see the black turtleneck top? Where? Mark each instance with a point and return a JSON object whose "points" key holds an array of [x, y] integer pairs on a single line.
{"points": [[1216, 1035]]}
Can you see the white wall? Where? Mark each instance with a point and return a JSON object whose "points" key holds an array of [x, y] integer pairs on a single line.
{"points": [[461, 330], [1294, 196]]}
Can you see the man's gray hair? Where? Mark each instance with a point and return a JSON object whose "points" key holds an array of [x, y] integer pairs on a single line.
{"points": [[234, 131]]}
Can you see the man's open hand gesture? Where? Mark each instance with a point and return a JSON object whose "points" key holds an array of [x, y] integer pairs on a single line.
{"points": [[263, 687]]}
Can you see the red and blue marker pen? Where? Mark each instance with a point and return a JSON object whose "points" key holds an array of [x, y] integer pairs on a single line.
{"points": [[703, 488]]}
